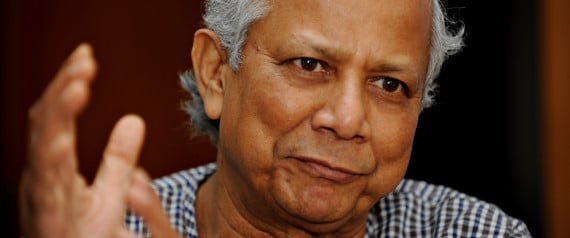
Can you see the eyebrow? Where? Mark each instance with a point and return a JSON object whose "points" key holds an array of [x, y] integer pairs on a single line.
{"points": [[397, 67], [400, 67], [321, 45]]}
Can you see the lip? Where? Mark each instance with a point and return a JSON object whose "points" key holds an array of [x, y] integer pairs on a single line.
{"points": [[322, 169]]}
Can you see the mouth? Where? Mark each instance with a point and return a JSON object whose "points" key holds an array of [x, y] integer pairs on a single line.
{"points": [[321, 169]]}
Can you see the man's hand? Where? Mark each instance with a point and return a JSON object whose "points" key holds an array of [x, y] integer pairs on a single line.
{"points": [[55, 201]]}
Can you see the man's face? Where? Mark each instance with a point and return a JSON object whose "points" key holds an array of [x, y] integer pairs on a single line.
{"points": [[318, 123]]}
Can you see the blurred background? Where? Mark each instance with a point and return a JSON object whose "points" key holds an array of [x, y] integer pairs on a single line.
{"points": [[500, 130]]}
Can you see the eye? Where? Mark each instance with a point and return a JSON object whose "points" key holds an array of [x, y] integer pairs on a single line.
{"points": [[390, 85], [309, 64]]}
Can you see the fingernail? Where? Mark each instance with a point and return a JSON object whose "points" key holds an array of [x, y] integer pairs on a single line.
{"points": [[78, 65], [81, 49], [79, 59]]}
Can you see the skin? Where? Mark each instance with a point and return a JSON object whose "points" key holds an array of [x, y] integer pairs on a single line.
{"points": [[55, 201], [317, 125]]}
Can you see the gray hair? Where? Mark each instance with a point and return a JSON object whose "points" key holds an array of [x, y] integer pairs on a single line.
{"points": [[230, 20]]}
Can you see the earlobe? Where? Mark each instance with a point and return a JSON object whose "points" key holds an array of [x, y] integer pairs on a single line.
{"points": [[208, 60]]}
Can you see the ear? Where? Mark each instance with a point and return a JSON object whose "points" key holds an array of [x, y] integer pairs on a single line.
{"points": [[208, 61]]}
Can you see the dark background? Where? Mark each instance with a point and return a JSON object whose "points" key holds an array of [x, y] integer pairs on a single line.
{"points": [[481, 138]]}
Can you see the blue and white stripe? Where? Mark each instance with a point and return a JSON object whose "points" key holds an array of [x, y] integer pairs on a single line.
{"points": [[413, 209]]}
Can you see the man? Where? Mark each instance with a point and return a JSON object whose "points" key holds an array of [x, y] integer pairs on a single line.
{"points": [[313, 107]]}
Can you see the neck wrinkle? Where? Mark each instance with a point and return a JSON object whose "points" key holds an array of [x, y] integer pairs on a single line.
{"points": [[221, 216], [225, 218]]}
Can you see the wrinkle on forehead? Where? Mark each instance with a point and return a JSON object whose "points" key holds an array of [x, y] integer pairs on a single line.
{"points": [[384, 35], [314, 41]]}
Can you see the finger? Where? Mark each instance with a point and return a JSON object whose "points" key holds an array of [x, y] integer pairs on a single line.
{"points": [[47, 181], [79, 65], [114, 175], [52, 135], [121, 155], [52, 117], [143, 200], [79, 68]]}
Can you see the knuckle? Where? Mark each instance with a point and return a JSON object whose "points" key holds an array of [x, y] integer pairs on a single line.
{"points": [[61, 145]]}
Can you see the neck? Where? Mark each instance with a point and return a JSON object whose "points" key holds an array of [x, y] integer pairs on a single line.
{"points": [[220, 213]]}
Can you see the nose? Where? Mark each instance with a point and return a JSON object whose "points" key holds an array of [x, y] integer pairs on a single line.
{"points": [[344, 110]]}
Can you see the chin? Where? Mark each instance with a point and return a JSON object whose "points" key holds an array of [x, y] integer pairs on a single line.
{"points": [[321, 202]]}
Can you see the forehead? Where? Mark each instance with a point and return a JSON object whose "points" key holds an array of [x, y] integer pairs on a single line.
{"points": [[362, 27], [363, 11]]}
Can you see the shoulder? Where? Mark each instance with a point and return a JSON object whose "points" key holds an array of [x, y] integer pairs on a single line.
{"points": [[420, 209], [185, 181], [178, 195]]}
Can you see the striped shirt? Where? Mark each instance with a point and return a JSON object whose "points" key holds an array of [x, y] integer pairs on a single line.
{"points": [[413, 209]]}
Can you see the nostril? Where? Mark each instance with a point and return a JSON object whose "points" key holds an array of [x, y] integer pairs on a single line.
{"points": [[346, 126], [333, 134]]}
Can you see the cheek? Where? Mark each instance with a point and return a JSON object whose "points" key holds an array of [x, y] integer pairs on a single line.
{"points": [[393, 131], [394, 140], [259, 109], [278, 107], [392, 146]]}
